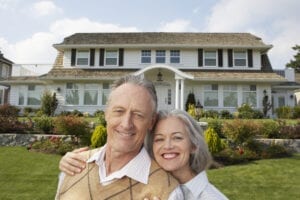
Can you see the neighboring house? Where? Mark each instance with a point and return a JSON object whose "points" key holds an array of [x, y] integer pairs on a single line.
{"points": [[5, 73], [297, 79], [222, 70]]}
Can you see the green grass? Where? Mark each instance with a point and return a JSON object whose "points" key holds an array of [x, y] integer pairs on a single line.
{"points": [[272, 179], [29, 175]]}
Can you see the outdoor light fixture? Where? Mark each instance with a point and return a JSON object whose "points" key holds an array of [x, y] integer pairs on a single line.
{"points": [[159, 76]]}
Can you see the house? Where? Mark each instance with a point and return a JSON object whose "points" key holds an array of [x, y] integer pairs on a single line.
{"points": [[5, 72], [222, 70]]}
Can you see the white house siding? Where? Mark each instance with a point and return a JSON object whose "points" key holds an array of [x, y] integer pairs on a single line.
{"points": [[67, 59], [256, 60]]}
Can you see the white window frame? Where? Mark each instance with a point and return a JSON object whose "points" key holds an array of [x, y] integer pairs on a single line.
{"points": [[145, 56], [212, 89], [160, 56], [111, 55], [90, 89], [105, 93], [248, 91], [72, 88], [231, 90], [239, 56], [82, 58], [175, 56]]}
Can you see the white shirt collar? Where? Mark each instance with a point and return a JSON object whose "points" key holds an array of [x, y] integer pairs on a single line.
{"points": [[138, 168], [197, 185]]}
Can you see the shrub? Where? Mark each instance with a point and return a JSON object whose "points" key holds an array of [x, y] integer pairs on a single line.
{"points": [[211, 114], [71, 125], [192, 110], [239, 132], [225, 114], [284, 112], [101, 117], [257, 114], [275, 151], [48, 103], [270, 129], [245, 111], [296, 112], [99, 136], [217, 126], [213, 141], [7, 110], [44, 123]]}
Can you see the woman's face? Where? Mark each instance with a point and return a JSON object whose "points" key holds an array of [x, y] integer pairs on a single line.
{"points": [[171, 145]]}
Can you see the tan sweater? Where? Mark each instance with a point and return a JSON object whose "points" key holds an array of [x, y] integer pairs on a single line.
{"points": [[86, 186]]}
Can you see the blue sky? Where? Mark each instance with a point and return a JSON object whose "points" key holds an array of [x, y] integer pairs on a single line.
{"points": [[29, 28]]}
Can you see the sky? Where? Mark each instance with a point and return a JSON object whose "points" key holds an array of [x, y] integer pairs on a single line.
{"points": [[29, 28]]}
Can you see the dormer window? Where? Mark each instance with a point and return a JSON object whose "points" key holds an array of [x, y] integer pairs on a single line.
{"points": [[240, 58], [83, 57], [146, 56], [160, 56], [111, 57], [210, 58]]}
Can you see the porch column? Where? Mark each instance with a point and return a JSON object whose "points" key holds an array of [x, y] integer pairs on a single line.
{"points": [[177, 94], [181, 95]]}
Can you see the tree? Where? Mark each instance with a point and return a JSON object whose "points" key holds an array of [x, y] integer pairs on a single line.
{"points": [[190, 101], [49, 103], [296, 62]]}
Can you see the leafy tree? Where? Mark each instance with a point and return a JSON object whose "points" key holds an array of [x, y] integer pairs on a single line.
{"points": [[190, 101], [296, 62], [49, 103]]}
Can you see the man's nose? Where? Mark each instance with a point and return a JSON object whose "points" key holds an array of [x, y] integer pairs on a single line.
{"points": [[127, 122]]}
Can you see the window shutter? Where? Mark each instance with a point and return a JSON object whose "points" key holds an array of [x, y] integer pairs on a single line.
{"points": [[121, 57], [73, 57], [220, 57], [200, 57], [92, 57], [230, 61], [101, 57], [250, 58]]}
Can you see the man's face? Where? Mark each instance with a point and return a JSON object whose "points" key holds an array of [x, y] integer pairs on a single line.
{"points": [[129, 115]]}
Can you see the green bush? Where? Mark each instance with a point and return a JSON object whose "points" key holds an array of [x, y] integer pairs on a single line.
{"points": [[99, 136], [44, 123], [211, 114], [270, 129], [275, 151], [7, 110], [71, 125], [225, 114], [284, 112], [48, 103], [213, 141], [101, 117], [239, 132], [296, 112], [217, 125]]}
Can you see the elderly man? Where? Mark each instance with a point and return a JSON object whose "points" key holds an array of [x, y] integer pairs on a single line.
{"points": [[122, 169]]}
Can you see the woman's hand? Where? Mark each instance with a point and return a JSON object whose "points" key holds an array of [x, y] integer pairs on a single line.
{"points": [[73, 162]]}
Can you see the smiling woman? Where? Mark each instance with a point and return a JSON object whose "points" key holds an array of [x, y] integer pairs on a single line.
{"points": [[178, 147]]}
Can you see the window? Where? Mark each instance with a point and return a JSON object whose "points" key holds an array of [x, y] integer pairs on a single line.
{"points": [[211, 95], [105, 93], [83, 57], [249, 95], [160, 56], [72, 94], [240, 58], [34, 95], [21, 94], [230, 96], [281, 101], [4, 71], [111, 57], [210, 58], [169, 97], [174, 56], [146, 56], [90, 94]]}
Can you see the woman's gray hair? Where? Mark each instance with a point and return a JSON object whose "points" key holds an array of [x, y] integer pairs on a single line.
{"points": [[201, 158], [140, 81]]}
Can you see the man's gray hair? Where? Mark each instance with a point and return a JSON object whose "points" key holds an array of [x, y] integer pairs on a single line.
{"points": [[140, 81], [201, 158]]}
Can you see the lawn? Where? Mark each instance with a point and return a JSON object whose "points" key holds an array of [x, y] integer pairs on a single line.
{"points": [[28, 175]]}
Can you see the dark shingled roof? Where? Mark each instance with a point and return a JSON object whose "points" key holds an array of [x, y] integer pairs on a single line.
{"points": [[167, 38]]}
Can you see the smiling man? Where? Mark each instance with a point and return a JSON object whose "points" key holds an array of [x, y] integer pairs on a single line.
{"points": [[121, 169]]}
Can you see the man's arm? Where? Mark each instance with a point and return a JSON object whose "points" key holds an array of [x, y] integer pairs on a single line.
{"points": [[73, 162]]}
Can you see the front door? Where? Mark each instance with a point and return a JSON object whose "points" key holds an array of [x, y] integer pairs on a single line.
{"points": [[164, 96]]}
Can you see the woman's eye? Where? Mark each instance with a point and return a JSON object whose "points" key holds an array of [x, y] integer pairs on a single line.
{"points": [[158, 139]]}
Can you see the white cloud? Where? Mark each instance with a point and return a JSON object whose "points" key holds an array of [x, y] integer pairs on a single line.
{"points": [[44, 8], [178, 25], [8, 4], [38, 48], [276, 22]]}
